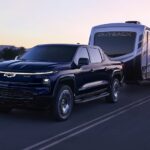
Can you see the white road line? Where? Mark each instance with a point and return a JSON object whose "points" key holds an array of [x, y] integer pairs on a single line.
{"points": [[106, 117], [91, 126]]}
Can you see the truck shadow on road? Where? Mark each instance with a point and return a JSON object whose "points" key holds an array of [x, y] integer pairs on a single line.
{"points": [[87, 110]]}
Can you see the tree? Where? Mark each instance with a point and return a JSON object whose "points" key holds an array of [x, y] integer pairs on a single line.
{"points": [[21, 50], [11, 53]]}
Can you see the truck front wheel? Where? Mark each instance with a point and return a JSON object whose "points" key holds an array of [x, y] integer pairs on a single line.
{"points": [[63, 103]]}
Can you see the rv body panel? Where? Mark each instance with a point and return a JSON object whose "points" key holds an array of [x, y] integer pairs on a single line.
{"points": [[137, 60]]}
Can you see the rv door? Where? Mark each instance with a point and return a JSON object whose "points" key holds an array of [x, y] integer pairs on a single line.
{"points": [[148, 55], [144, 56]]}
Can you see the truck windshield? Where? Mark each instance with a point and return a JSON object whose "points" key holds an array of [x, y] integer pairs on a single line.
{"points": [[115, 43], [50, 53]]}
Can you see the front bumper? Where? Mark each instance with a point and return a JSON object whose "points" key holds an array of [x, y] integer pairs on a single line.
{"points": [[18, 96]]}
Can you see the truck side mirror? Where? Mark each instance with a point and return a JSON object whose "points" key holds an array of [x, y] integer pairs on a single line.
{"points": [[83, 61]]}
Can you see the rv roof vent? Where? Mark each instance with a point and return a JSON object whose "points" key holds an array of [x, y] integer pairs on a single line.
{"points": [[134, 22]]}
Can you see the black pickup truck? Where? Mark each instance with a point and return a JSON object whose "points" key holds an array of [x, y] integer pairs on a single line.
{"points": [[55, 76]]}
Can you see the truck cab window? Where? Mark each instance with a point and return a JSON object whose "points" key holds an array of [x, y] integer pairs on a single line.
{"points": [[95, 55]]}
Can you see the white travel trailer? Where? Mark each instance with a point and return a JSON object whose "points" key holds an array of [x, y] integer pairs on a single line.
{"points": [[128, 42]]}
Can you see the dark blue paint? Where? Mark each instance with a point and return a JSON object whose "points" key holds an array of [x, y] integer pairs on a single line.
{"points": [[33, 93]]}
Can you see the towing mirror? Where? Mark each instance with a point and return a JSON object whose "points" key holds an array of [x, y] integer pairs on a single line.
{"points": [[83, 61]]}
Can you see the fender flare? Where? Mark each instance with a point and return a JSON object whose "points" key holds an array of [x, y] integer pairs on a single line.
{"points": [[64, 78]]}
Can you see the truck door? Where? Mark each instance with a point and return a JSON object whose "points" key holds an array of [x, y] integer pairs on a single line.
{"points": [[100, 74], [83, 73]]}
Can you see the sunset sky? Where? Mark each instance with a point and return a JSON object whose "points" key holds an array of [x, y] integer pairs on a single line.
{"points": [[31, 22]]}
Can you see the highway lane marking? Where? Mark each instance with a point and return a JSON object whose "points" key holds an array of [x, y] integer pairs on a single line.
{"points": [[52, 141], [91, 126]]}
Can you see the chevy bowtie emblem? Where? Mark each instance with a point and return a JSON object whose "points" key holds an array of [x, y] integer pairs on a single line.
{"points": [[9, 75]]}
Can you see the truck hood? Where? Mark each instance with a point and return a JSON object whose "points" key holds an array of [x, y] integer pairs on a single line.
{"points": [[31, 67]]}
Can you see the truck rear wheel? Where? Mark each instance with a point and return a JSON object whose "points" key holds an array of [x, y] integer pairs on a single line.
{"points": [[114, 91]]}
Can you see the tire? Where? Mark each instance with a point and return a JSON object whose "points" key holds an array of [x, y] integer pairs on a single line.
{"points": [[4, 109], [114, 91], [63, 103]]}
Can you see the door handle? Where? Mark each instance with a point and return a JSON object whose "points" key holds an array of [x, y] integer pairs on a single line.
{"points": [[105, 68], [92, 70]]}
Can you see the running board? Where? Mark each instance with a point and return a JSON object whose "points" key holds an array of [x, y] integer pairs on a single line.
{"points": [[84, 100]]}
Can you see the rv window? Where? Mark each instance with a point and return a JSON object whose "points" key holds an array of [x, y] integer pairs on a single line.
{"points": [[140, 41], [140, 37], [115, 43], [140, 45]]}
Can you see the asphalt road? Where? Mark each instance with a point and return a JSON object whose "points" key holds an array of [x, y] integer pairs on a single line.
{"points": [[93, 126]]}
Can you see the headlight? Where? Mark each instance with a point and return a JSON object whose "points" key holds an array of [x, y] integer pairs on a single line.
{"points": [[46, 81]]}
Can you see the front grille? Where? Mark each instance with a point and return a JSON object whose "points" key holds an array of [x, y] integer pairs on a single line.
{"points": [[15, 93]]}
